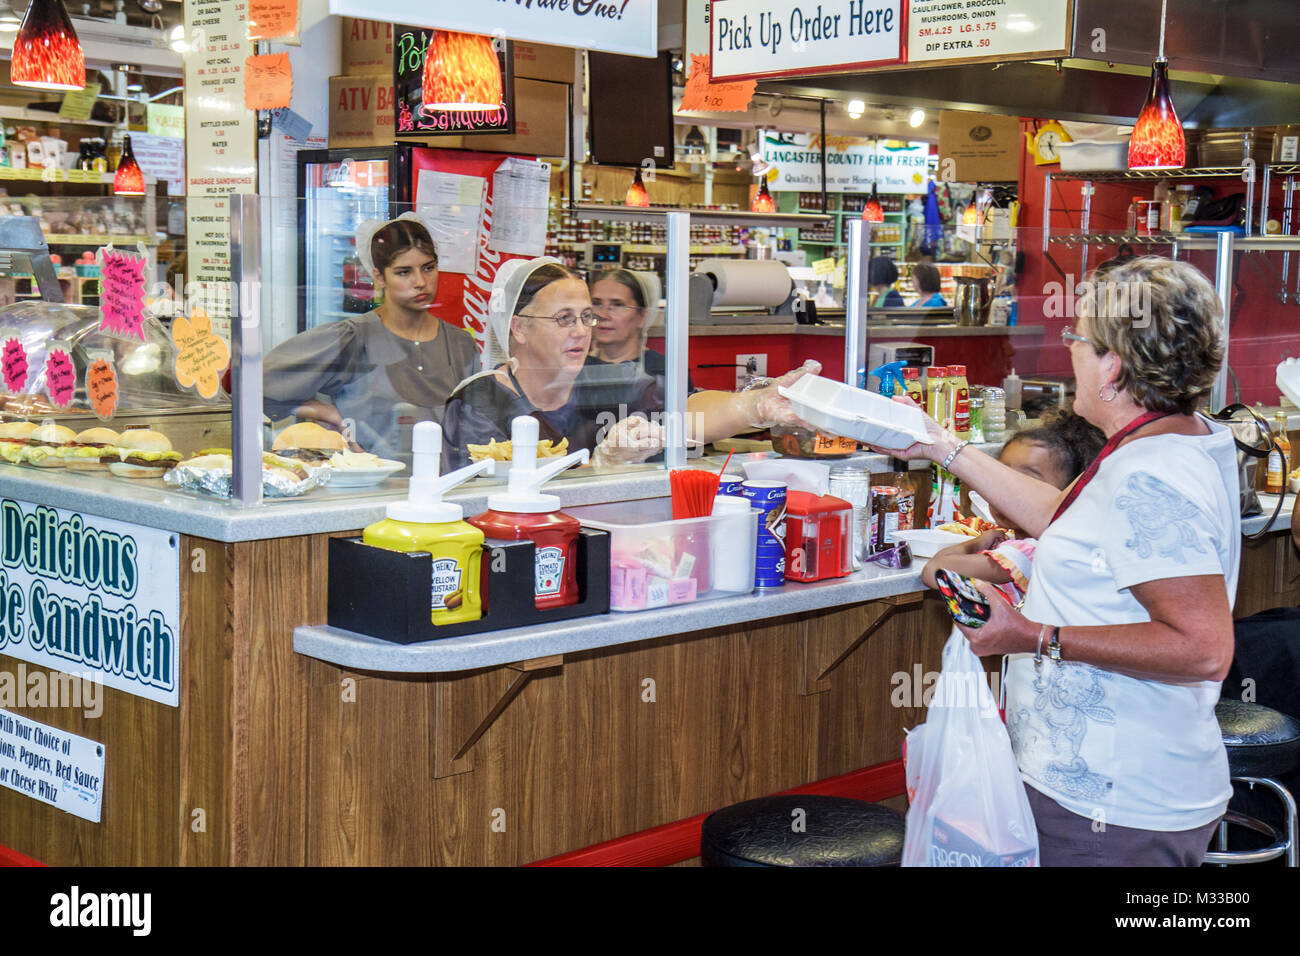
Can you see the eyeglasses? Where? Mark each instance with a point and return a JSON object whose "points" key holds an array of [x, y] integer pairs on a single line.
{"points": [[899, 556], [614, 308], [1067, 337], [566, 320]]}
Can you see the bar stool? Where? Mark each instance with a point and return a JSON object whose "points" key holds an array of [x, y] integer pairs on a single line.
{"points": [[802, 830], [1262, 744]]}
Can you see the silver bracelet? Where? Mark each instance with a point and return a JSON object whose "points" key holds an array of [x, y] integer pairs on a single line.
{"points": [[953, 454]]}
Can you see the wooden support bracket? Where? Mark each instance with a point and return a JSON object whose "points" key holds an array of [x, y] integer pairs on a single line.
{"points": [[449, 759], [816, 679]]}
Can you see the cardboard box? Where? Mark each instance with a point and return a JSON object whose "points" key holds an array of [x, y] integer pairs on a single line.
{"points": [[367, 47], [979, 147], [537, 61], [541, 122], [361, 111]]}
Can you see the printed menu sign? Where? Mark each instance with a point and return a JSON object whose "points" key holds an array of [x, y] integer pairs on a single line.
{"points": [[51, 765], [91, 596], [752, 39], [995, 29], [410, 50], [222, 139], [611, 26]]}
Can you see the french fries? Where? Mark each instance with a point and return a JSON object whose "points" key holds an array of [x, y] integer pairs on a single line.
{"points": [[503, 451]]}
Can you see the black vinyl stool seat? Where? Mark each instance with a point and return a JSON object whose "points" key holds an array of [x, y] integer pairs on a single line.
{"points": [[1262, 744], [830, 831]]}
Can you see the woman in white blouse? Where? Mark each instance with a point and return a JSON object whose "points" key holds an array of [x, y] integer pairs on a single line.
{"points": [[1116, 658]]}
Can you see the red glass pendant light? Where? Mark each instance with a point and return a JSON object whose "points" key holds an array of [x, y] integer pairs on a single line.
{"points": [[1158, 141], [47, 54], [636, 193], [129, 178], [873, 211], [461, 72], [763, 201]]}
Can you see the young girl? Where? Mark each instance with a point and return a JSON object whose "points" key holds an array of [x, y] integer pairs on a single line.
{"points": [[1057, 451]]}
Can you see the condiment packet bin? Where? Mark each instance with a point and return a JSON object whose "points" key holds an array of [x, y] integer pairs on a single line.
{"points": [[655, 561]]}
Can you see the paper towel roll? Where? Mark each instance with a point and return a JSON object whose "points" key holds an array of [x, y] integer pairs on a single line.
{"points": [[747, 281]]}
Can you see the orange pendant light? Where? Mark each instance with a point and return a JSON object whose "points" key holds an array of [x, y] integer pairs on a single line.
{"points": [[636, 193], [129, 178], [461, 72], [1158, 141], [873, 211], [47, 54], [763, 201]]}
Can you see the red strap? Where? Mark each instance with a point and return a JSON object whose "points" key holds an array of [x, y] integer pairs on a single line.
{"points": [[1109, 447]]}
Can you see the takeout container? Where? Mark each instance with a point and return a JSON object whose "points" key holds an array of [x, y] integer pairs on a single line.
{"points": [[1094, 157], [840, 409], [656, 562]]}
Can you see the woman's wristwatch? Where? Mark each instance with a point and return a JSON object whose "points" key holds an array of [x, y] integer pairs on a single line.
{"points": [[1054, 646]]}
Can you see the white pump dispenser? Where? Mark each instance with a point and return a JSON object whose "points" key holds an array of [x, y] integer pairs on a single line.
{"points": [[523, 493], [424, 504]]}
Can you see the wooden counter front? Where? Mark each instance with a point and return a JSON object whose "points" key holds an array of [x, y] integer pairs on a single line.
{"points": [[275, 758]]}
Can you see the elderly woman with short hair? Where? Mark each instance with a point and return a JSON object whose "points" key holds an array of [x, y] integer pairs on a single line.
{"points": [[1125, 634]]}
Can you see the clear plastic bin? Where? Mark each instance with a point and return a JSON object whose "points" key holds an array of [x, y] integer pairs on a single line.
{"points": [[656, 562]]}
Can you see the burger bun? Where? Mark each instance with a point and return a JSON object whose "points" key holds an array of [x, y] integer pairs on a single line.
{"points": [[51, 435], [309, 435]]}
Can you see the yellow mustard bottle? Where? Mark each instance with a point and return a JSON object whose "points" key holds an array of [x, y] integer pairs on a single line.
{"points": [[424, 522]]}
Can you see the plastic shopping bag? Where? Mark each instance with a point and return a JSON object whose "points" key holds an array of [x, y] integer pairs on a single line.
{"points": [[967, 805]]}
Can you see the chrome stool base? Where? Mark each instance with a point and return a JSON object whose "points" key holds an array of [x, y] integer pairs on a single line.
{"points": [[1280, 844]]}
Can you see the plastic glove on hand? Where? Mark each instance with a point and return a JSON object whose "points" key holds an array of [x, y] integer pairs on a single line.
{"points": [[630, 441], [770, 408]]}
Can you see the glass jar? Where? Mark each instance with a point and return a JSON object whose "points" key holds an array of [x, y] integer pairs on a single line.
{"points": [[994, 422], [977, 420], [852, 483]]}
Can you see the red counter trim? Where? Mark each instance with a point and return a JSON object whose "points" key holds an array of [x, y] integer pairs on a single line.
{"points": [[675, 842], [10, 857]]}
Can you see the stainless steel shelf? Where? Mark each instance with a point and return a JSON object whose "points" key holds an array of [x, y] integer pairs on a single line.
{"points": [[1190, 172], [1185, 240]]}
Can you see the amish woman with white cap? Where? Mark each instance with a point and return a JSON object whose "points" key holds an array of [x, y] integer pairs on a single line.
{"points": [[541, 320], [361, 368]]}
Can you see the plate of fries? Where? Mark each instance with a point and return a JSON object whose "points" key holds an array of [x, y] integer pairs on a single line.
{"points": [[504, 451]]}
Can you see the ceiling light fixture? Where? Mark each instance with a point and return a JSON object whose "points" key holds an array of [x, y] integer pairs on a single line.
{"points": [[47, 54], [763, 201], [461, 72], [637, 195], [1158, 141], [916, 118], [129, 178], [9, 20], [856, 108]]}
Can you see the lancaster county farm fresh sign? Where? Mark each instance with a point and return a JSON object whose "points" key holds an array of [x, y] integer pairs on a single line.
{"points": [[756, 39], [92, 597]]}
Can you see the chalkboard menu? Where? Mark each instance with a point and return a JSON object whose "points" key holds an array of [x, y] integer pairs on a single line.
{"points": [[410, 47]]}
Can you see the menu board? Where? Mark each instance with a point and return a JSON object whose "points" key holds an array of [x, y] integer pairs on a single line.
{"points": [[941, 30], [221, 135], [410, 49]]}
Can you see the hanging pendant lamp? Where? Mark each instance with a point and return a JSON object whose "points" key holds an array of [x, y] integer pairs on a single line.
{"points": [[1158, 141], [873, 211], [47, 54], [763, 201], [129, 178], [461, 72], [636, 193]]}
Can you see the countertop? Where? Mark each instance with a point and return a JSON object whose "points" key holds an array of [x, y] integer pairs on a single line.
{"points": [[494, 648], [1253, 524]]}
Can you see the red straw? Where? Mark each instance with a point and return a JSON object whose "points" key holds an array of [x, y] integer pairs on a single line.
{"points": [[726, 463], [693, 491]]}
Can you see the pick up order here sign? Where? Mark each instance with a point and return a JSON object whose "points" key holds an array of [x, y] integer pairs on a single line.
{"points": [[770, 38]]}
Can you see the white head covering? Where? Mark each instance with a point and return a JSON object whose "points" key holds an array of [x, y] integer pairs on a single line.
{"points": [[507, 286], [651, 289], [366, 234]]}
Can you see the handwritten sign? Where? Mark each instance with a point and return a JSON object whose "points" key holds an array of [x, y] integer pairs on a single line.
{"points": [[60, 376], [410, 50], [78, 104], [700, 94], [121, 279], [101, 387], [823, 267], [268, 81], [273, 20], [201, 356], [14, 362]]}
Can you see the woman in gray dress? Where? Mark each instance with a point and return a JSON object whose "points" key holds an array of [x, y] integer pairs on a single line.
{"points": [[356, 375]]}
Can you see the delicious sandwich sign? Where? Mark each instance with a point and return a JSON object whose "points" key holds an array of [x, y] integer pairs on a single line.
{"points": [[92, 597]]}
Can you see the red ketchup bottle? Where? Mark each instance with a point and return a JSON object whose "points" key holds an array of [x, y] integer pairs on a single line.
{"points": [[522, 511]]}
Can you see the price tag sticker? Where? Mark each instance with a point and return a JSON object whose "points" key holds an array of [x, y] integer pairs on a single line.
{"points": [[13, 360], [833, 445], [60, 373], [121, 276], [101, 382], [201, 354]]}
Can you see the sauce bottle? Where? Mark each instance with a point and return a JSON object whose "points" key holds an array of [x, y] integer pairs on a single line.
{"points": [[522, 511], [912, 384], [424, 522], [957, 400], [1278, 460], [935, 404]]}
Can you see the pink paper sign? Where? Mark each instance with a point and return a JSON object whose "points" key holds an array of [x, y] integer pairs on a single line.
{"points": [[60, 377], [122, 293], [14, 361]]}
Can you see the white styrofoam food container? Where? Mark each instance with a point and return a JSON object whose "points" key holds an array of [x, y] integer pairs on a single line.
{"points": [[840, 409], [927, 542], [655, 561], [1100, 157], [1288, 379]]}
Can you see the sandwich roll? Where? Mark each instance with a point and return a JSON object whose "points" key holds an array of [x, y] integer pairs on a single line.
{"points": [[141, 454], [88, 449], [309, 442], [13, 440], [45, 444]]}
